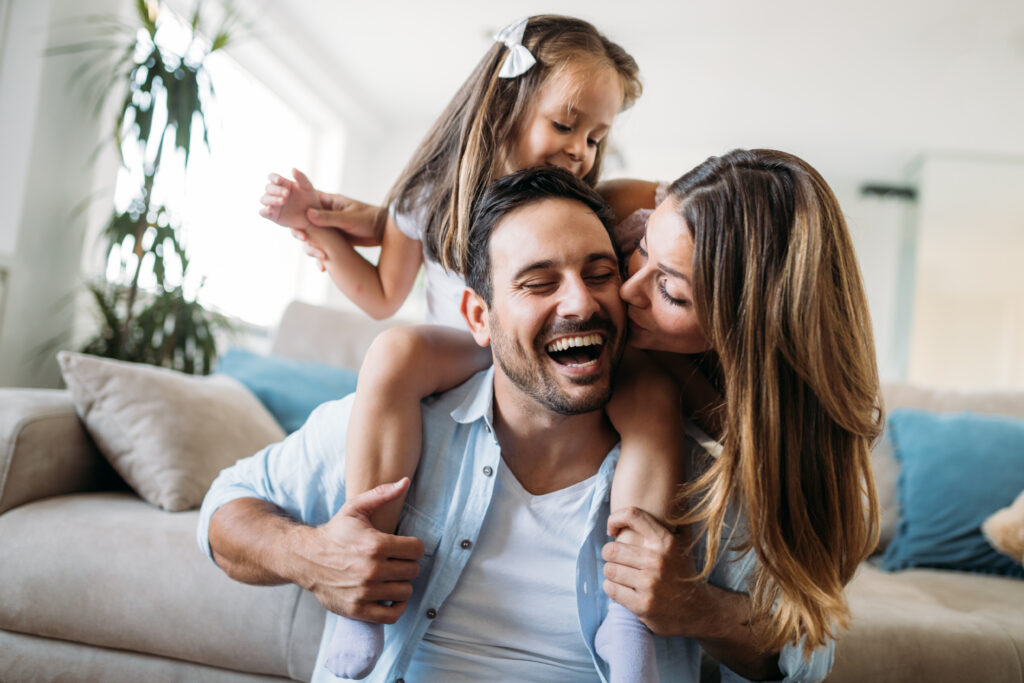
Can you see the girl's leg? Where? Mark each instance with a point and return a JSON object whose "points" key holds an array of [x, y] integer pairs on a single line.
{"points": [[403, 366], [645, 411]]}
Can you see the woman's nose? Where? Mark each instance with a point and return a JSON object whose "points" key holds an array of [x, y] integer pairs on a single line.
{"points": [[631, 291]]}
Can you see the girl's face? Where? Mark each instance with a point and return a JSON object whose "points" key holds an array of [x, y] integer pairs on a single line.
{"points": [[659, 290], [570, 114]]}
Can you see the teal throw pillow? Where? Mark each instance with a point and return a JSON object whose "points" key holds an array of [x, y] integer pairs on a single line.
{"points": [[956, 469], [290, 389]]}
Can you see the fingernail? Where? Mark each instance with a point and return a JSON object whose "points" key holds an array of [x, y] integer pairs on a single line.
{"points": [[314, 213]]}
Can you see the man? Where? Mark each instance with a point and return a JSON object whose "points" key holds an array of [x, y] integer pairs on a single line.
{"points": [[495, 572]]}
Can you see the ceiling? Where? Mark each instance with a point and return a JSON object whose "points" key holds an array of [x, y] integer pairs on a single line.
{"points": [[860, 89]]}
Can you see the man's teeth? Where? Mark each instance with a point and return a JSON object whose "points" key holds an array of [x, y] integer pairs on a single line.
{"points": [[566, 343]]}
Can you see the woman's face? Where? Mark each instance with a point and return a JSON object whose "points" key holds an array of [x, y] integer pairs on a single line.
{"points": [[659, 290]]}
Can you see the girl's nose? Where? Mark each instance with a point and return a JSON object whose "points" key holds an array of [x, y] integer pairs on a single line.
{"points": [[576, 146]]}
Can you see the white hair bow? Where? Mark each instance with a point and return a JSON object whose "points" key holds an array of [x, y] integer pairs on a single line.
{"points": [[519, 59]]}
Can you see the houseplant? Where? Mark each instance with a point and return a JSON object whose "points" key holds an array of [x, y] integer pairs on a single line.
{"points": [[146, 304]]}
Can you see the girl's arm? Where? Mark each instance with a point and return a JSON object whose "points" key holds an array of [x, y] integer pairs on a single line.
{"points": [[378, 289], [403, 366], [645, 410]]}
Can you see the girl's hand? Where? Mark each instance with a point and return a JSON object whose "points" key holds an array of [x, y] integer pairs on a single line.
{"points": [[651, 579], [361, 223], [311, 249], [286, 201]]}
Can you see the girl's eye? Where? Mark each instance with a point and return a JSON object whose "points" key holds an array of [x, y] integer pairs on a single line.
{"points": [[668, 297]]}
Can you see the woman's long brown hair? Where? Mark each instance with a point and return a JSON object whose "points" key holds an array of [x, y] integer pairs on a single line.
{"points": [[467, 146], [780, 298]]}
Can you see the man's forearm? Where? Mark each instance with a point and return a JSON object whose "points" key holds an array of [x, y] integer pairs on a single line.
{"points": [[253, 541], [729, 638]]}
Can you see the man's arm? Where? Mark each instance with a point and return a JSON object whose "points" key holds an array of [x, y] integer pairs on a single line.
{"points": [[652, 581], [347, 564]]}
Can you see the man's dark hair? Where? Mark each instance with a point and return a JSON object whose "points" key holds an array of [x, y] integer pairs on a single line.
{"points": [[515, 191]]}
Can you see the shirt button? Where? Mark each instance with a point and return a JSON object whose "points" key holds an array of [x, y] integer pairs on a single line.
{"points": [[431, 613], [488, 471], [487, 428], [466, 544], [400, 680]]}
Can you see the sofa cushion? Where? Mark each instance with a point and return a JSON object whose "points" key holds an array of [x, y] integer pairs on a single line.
{"points": [[931, 625], [956, 469], [166, 433], [290, 389], [107, 569]]}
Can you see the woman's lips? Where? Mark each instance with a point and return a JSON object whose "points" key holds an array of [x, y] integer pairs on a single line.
{"points": [[634, 326]]}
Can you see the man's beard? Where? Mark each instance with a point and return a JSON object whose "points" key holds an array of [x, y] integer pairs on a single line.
{"points": [[528, 370]]}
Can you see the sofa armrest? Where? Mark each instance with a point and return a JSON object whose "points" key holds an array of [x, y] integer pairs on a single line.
{"points": [[44, 448]]}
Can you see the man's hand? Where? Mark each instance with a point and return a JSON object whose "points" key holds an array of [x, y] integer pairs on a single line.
{"points": [[352, 567], [652, 579]]}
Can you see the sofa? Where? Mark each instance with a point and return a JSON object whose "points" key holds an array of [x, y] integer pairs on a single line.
{"points": [[98, 585]]}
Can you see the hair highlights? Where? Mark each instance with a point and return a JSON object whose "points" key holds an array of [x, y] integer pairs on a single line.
{"points": [[466, 147], [780, 297]]}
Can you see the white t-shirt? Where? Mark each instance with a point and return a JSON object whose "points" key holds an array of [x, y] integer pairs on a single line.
{"points": [[513, 615], [444, 288]]}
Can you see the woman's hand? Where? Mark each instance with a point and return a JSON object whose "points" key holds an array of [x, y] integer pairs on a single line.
{"points": [[653, 579]]}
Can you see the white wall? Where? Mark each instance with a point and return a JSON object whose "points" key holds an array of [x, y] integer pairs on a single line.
{"points": [[46, 172]]}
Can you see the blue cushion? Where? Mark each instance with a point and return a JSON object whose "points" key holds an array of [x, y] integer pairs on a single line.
{"points": [[956, 469], [290, 389]]}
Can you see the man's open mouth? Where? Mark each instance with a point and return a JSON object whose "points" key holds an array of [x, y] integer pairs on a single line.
{"points": [[576, 351]]}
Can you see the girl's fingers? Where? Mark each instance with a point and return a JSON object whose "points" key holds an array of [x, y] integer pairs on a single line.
{"points": [[301, 179]]}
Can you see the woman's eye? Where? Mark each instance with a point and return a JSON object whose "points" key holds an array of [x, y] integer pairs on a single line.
{"points": [[591, 142], [639, 246], [561, 127], [668, 297]]}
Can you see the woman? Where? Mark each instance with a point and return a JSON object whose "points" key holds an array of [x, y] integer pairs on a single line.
{"points": [[747, 269]]}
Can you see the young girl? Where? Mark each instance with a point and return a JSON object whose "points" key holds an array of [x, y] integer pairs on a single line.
{"points": [[545, 94]]}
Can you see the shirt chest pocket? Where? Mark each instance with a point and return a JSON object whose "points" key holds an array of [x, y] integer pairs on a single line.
{"points": [[417, 523]]}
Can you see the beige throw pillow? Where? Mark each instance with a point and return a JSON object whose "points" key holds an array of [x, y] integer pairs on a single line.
{"points": [[166, 433]]}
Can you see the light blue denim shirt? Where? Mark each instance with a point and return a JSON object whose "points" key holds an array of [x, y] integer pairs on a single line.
{"points": [[305, 476]]}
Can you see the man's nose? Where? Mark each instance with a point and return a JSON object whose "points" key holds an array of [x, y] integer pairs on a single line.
{"points": [[577, 300]]}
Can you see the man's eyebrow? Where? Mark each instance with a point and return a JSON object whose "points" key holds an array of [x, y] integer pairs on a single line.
{"points": [[551, 263]]}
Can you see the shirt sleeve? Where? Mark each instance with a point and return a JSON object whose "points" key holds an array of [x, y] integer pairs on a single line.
{"points": [[411, 224], [304, 475]]}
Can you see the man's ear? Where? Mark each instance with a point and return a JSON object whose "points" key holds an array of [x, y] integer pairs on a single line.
{"points": [[474, 310]]}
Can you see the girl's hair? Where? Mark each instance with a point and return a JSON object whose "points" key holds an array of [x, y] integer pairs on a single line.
{"points": [[780, 298], [468, 144]]}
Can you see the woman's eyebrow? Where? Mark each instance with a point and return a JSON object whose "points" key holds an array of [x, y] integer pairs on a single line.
{"points": [[673, 272]]}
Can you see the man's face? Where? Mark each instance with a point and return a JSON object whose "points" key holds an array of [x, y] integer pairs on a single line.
{"points": [[556, 323]]}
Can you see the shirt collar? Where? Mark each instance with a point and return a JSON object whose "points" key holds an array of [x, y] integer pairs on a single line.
{"points": [[479, 400]]}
